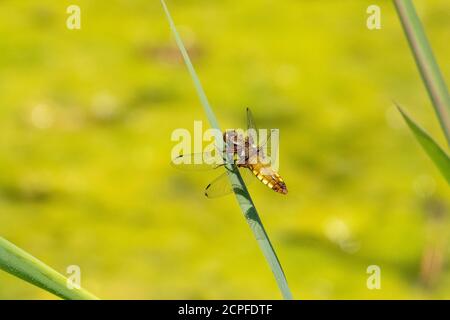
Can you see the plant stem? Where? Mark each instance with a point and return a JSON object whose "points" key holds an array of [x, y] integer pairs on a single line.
{"points": [[240, 190], [23, 265], [428, 67]]}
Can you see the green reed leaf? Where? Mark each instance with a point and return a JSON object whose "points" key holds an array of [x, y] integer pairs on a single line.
{"points": [[428, 67], [433, 150], [23, 265], [242, 195]]}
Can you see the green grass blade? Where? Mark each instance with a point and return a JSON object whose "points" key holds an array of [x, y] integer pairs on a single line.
{"points": [[439, 157], [23, 265], [428, 67], [240, 190]]}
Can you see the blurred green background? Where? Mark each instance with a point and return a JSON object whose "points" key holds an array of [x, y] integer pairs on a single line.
{"points": [[86, 117]]}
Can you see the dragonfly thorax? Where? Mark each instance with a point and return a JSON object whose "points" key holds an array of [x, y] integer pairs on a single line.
{"points": [[241, 147]]}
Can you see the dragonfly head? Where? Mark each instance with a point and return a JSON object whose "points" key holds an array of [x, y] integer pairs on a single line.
{"points": [[232, 137]]}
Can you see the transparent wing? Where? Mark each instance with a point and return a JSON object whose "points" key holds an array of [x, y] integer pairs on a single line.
{"points": [[265, 144], [262, 137], [197, 161], [221, 186], [251, 121]]}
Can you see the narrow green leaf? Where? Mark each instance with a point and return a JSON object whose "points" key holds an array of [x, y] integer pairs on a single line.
{"points": [[439, 157], [23, 265], [240, 190], [428, 67]]}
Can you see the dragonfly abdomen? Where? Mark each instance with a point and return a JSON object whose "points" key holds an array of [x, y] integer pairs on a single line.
{"points": [[269, 177]]}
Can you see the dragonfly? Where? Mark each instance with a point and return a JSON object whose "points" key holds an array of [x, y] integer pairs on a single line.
{"points": [[250, 159]]}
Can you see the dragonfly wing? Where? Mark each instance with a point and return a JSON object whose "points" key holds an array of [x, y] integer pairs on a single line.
{"points": [[250, 121], [222, 186], [267, 152], [261, 137], [219, 187], [197, 161], [247, 175]]}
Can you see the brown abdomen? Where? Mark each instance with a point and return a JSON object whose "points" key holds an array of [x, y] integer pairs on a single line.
{"points": [[269, 177]]}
